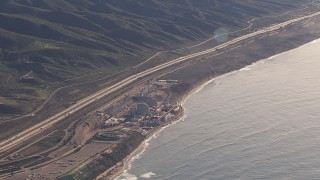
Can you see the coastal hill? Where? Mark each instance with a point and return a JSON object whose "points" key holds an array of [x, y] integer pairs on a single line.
{"points": [[43, 42]]}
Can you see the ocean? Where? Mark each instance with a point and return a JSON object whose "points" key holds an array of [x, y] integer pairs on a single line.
{"points": [[261, 122]]}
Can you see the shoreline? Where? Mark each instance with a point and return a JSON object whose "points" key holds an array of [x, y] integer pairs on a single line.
{"points": [[192, 78], [126, 164], [219, 70]]}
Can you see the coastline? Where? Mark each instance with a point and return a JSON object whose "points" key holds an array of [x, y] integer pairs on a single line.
{"points": [[198, 75], [149, 163], [126, 164], [123, 168]]}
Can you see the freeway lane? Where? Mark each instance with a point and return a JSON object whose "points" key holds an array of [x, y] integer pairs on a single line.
{"points": [[40, 127]]}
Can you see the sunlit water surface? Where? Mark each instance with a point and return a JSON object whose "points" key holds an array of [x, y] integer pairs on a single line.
{"points": [[262, 122]]}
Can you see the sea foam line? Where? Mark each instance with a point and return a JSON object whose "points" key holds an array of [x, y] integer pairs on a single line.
{"points": [[145, 144], [142, 149]]}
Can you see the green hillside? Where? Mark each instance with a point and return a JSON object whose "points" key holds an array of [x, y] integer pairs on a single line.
{"points": [[43, 42]]}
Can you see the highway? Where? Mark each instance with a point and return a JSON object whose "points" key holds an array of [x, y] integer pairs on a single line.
{"points": [[45, 124]]}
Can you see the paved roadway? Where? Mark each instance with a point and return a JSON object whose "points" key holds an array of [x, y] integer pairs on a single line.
{"points": [[45, 124]]}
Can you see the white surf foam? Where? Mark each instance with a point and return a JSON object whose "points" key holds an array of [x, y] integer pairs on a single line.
{"points": [[141, 150], [127, 176], [143, 147], [307, 44], [315, 41], [246, 69], [273, 57], [148, 175]]}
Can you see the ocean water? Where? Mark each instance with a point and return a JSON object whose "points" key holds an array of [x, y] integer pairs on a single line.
{"points": [[262, 122]]}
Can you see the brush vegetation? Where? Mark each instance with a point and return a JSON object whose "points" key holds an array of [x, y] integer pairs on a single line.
{"points": [[43, 42]]}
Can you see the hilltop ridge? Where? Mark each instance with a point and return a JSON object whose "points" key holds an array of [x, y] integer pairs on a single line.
{"points": [[44, 42]]}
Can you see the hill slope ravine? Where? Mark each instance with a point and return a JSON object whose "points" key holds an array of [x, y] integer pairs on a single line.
{"points": [[43, 42]]}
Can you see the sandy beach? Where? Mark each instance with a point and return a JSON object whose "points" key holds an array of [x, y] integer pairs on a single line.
{"points": [[296, 36]]}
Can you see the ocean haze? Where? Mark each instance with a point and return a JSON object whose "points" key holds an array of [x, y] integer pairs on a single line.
{"points": [[261, 122]]}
